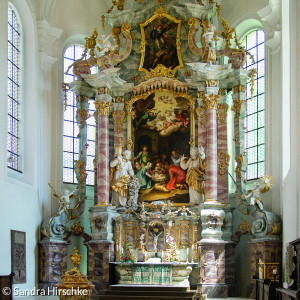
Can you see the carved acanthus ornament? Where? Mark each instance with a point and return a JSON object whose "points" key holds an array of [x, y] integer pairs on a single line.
{"points": [[103, 107], [211, 101], [202, 117], [236, 108], [118, 116], [222, 112], [223, 162]]}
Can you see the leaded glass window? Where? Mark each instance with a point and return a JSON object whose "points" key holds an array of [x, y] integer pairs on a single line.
{"points": [[254, 43], [71, 129], [14, 91]]}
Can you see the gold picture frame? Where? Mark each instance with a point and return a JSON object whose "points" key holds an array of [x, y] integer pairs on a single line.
{"points": [[163, 70]]}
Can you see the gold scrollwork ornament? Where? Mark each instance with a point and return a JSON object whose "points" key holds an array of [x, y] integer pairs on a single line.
{"points": [[118, 116], [223, 161]]}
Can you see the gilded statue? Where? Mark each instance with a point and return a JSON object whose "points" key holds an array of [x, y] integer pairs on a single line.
{"points": [[195, 174]]}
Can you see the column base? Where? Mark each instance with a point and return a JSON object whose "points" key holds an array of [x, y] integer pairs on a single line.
{"points": [[100, 254], [214, 290], [52, 263]]}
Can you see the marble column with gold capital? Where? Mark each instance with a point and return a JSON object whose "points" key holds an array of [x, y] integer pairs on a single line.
{"points": [[103, 108], [210, 103]]}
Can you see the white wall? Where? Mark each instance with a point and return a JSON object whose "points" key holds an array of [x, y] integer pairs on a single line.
{"points": [[21, 208]]}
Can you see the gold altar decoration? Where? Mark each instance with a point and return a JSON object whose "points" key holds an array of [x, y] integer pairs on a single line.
{"points": [[83, 115], [198, 293], [102, 91], [238, 89], [202, 117], [236, 108], [244, 225], [184, 235], [76, 227], [74, 285], [239, 164], [222, 92], [266, 270], [129, 234], [65, 88], [222, 112], [119, 99], [223, 162], [212, 83], [103, 107], [118, 116], [162, 70], [211, 101]]}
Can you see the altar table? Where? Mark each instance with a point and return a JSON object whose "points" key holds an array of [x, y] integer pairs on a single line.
{"points": [[176, 274]]}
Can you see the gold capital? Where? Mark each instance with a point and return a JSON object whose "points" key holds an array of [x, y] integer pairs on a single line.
{"points": [[211, 101], [103, 107]]}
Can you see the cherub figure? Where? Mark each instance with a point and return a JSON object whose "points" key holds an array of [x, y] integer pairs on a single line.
{"points": [[254, 196], [64, 202]]}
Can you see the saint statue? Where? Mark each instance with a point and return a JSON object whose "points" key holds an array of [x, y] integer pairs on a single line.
{"points": [[121, 179], [195, 174]]}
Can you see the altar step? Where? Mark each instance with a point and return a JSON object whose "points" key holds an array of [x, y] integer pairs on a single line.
{"points": [[145, 292]]}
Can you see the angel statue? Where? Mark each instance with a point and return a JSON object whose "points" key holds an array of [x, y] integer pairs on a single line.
{"points": [[64, 202], [106, 44], [195, 174], [254, 196]]}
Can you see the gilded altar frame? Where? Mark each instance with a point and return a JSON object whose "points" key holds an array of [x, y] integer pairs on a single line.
{"points": [[184, 228], [160, 13], [128, 226], [191, 102]]}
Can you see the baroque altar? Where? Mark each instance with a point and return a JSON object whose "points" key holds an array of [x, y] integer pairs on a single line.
{"points": [[161, 212]]}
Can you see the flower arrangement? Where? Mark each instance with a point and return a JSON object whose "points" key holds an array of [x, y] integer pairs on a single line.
{"points": [[127, 256], [172, 256]]}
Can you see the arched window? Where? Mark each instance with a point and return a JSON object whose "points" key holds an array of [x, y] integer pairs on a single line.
{"points": [[71, 129], [254, 43], [14, 91]]}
